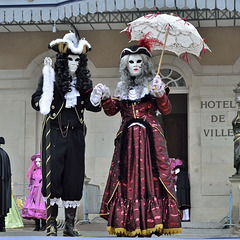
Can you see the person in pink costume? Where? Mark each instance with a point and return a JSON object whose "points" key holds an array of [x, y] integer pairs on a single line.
{"points": [[34, 207], [173, 163]]}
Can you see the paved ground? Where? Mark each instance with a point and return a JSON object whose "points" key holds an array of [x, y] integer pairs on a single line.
{"points": [[86, 229], [97, 230]]}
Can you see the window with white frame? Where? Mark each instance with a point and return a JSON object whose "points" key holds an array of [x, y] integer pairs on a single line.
{"points": [[172, 78]]}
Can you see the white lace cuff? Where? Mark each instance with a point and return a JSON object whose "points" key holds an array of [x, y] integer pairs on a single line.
{"points": [[61, 203], [71, 204]]}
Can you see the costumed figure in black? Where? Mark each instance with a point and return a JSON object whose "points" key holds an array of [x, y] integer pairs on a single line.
{"points": [[64, 93], [5, 190], [236, 131], [183, 191]]}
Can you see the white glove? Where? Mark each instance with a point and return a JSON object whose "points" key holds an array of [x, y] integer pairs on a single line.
{"points": [[105, 91], [96, 95], [158, 87]]}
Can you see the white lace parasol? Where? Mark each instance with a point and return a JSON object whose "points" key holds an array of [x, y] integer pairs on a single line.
{"points": [[176, 34]]}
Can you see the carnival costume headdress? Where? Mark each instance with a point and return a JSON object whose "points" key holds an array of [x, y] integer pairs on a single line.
{"points": [[71, 43], [33, 166], [144, 46]]}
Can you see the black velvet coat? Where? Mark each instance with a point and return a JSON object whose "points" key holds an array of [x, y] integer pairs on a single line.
{"points": [[5, 183], [75, 116]]}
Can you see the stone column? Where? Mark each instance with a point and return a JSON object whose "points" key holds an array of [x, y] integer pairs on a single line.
{"points": [[235, 183]]}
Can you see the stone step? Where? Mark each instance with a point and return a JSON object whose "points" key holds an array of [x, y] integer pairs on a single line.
{"points": [[202, 225], [207, 230]]}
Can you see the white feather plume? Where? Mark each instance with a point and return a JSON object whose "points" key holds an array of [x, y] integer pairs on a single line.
{"points": [[48, 86]]}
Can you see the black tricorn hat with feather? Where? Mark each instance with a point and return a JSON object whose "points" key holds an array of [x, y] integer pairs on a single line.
{"points": [[71, 43]]}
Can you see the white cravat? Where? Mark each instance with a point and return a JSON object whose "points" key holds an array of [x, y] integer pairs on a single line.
{"points": [[71, 97]]}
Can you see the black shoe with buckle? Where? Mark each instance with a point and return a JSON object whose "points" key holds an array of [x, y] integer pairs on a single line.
{"points": [[52, 228], [53, 231], [69, 230]]}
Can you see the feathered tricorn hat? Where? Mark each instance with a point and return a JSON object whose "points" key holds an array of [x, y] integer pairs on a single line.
{"points": [[71, 43], [144, 46]]}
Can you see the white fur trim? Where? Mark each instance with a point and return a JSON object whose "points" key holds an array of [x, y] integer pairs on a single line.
{"points": [[139, 124], [75, 50], [48, 85]]}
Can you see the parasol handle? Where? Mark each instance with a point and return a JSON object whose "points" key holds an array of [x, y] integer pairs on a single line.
{"points": [[160, 62]]}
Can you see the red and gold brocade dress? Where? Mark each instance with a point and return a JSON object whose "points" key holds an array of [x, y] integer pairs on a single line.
{"points": [[139, 198]]}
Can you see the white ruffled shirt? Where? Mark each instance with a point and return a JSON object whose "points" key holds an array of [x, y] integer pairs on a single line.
{"points": [[71, 97]]}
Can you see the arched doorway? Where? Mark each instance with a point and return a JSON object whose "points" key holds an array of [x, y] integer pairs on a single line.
{"points": [[175, 124]]}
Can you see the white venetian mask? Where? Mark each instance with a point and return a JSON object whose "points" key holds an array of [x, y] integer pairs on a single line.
{"points": [[73, 61], [135, 65], [177, 171], [38, 162]]}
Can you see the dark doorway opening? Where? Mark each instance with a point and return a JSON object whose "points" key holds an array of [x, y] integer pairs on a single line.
{"points": [[175, 128]]}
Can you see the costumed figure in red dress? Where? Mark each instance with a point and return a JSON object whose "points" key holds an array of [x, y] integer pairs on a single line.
{"points": [[139, 198], [34, 207]]}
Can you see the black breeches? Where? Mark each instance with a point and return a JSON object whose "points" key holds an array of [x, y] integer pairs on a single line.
{"points": [[67, 164]]}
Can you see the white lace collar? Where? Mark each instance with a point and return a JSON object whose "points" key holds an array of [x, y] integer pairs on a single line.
{"points": [[71, 97]]}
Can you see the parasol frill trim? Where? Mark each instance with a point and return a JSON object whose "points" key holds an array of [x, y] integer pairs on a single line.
{"points": [[152, 15], [179, 35], [203, 49], [184, 19], [185, 55]]}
